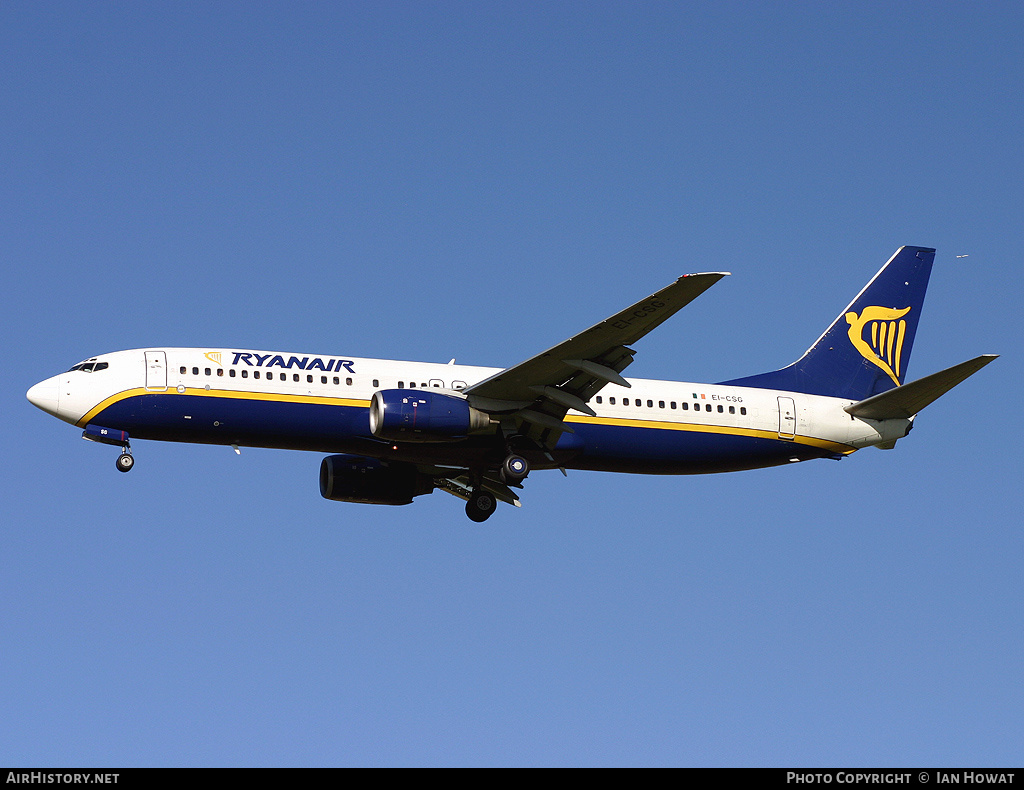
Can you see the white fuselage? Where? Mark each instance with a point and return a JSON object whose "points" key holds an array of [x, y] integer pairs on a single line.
{"points": [[99, 393]]}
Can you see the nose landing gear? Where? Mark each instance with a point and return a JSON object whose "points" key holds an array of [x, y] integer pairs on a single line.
{"points": [[97, 433], [125, 461]]}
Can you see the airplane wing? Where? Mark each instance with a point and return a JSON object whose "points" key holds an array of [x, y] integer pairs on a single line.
{"points": [[542, 389]]}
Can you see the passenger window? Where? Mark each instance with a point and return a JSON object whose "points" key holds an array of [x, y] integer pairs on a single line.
{"points": [[256, 375], [323, 379], [598, 398], [661, 404], [401, 385], [348, 381], [611, 401], [707, 407], [181, 371], [685, 405], [721, 409], [743, 409], [245, 373], [195, 371], [650, 404], [672, 404], [376, 383], [231, 373], [732, 410], [207, 372], [309, 379], [337, 380], [220, 372], [625, 401]]}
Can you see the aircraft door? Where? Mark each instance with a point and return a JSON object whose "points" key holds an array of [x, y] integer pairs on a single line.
{"points": [[156, 370], [787, 418]]}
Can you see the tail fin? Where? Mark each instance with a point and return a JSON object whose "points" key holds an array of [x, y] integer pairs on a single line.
{"points": [[866, 349]]}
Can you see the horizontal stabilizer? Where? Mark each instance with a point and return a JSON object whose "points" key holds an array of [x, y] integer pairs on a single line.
{"points": [[906, 401]]}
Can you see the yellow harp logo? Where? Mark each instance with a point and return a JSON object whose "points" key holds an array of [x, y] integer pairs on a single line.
{"points": [[213, 356], [885, 346]]}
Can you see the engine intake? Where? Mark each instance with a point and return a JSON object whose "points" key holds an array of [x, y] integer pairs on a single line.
{"points": [[353, 478], [424, 416]]}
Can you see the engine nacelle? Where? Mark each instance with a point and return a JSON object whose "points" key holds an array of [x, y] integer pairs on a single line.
{"points": [[424, 416], [353, 478]]}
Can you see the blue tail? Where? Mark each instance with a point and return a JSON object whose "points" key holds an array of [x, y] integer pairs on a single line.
{"points": [[866, 350]]}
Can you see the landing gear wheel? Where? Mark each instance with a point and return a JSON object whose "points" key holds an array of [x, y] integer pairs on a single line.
{"points": [[514, 469], [480, 505], [125, 462]]}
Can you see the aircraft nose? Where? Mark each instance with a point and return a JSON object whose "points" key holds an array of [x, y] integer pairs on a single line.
{"points": [[45, 395]]}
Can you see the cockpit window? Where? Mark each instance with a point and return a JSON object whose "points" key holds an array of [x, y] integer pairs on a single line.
{"points": [[90, 367]]}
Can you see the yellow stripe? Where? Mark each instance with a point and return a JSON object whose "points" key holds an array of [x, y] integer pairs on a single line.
{"points": [[810, 441], [327, 401], [275, 397]]}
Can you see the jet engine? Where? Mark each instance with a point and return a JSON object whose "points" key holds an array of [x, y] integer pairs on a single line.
{"points": [[353, 478], [424, 416]]}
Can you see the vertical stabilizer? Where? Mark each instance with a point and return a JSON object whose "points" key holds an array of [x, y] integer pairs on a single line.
{"points": [[866, 349]]}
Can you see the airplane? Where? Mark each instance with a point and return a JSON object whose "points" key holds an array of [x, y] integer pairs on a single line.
{"points": [[397, 430]]}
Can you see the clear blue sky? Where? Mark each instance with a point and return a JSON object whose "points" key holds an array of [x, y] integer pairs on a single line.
{"points": [[481, 180]]}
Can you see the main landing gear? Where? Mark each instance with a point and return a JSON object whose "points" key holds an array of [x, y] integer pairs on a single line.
{"points": [[514, 469], [480, 505]]}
